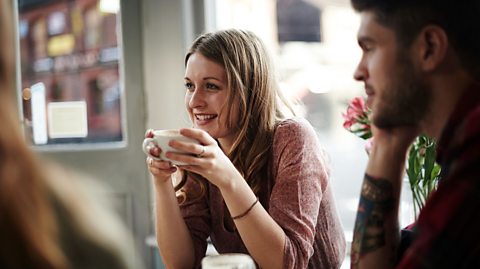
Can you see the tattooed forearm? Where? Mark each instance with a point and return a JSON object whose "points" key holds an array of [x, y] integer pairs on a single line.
{"points": [[376, 203]]}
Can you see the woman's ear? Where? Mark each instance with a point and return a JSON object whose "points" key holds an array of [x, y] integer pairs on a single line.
{"points": [[432, 46]]}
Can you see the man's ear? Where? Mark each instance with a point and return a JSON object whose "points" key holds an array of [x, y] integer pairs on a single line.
{"points": [[431, 47]]}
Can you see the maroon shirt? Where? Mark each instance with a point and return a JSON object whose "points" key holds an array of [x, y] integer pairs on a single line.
{"points": [[297, 195], [447, 234]]}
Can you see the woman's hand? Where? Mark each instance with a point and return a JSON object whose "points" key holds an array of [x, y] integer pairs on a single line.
{"points": [[161, 170], [206, 159]]}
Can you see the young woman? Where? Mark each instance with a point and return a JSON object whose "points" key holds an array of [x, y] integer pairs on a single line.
{"points": [[258, 182], [48, 220]]}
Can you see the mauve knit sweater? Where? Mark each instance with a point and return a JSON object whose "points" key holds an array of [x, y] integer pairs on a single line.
{"points": [[297, 195]]}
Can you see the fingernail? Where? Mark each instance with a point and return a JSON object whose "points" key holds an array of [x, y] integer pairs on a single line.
{"points": [[147, 132]]}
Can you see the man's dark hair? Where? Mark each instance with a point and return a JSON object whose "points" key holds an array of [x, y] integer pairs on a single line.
{"points": [[460, 19]]}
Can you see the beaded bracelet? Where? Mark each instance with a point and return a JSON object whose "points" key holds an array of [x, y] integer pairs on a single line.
{"points": [[246, 211]]}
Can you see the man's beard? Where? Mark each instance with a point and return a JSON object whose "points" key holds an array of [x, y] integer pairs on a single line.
{"points": [[405, 101]]}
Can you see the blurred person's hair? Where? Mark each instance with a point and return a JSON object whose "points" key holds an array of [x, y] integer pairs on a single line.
{"points": [[254, 91], [46, 220], [27, 225], [459, 19]]}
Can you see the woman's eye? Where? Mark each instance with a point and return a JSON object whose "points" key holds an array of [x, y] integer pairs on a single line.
{"points": [[212, 86], [188, 86]]}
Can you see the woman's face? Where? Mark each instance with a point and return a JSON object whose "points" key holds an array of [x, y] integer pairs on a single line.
{"points": [[206, 98]]}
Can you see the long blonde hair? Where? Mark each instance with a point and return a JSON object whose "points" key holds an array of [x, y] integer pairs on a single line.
{"points": [[254, 91], [27, 226]]}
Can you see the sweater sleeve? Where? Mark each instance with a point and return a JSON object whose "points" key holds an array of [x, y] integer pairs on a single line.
{"points": [[300, 180], [196, 213]]}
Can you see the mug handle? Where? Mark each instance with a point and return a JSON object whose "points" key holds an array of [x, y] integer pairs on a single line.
{"points": [[145, 146]]}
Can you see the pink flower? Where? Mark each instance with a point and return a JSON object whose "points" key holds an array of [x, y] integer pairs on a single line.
{"points": [[358, 105], [355, 110], [347, 124], [356, 118]]}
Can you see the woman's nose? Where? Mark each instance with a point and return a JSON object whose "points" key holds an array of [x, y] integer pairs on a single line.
{"points": [[196, 99]]}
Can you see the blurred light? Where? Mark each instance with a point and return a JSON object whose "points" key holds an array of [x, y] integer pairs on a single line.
{"points": [[61, 45], [26, 94], [109, 6], [56, 23], [23, 28]]}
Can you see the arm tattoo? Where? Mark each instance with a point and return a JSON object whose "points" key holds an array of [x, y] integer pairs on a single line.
{"points": [[376, 203]]}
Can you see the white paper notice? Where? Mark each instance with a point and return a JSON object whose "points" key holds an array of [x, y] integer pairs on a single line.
{"points": [[39, 123], [67, 119]]}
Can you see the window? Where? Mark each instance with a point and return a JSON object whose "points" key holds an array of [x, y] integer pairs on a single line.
{"points": [[70, 78]]}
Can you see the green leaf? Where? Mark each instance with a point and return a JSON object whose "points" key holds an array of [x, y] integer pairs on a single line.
{"points": [[422, 170], [412, 175], [436, 172]]}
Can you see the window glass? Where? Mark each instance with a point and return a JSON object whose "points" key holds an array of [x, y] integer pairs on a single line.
{"points": [[70, 78]]}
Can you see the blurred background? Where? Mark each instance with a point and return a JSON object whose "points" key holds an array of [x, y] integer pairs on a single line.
{"points": [[94, 74]]}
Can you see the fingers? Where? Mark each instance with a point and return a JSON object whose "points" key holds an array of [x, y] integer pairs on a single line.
{"points": [[188, 147], [154, 150], [201, 154], [159, 164], [206, 160], [159, 167], [203, 137], [149, 133]]}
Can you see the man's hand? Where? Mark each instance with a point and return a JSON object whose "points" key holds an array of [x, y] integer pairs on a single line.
{"points": [[376, 232]]}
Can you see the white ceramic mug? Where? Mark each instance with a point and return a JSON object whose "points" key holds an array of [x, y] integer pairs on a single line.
{"points": [[160, 139], [228, 261]]}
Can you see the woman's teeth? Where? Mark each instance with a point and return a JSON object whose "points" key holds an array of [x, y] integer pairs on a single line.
{"points": [[205, 117]]}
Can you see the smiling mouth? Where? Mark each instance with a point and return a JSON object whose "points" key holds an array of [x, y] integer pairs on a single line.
{"points": [[205, 117]]}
